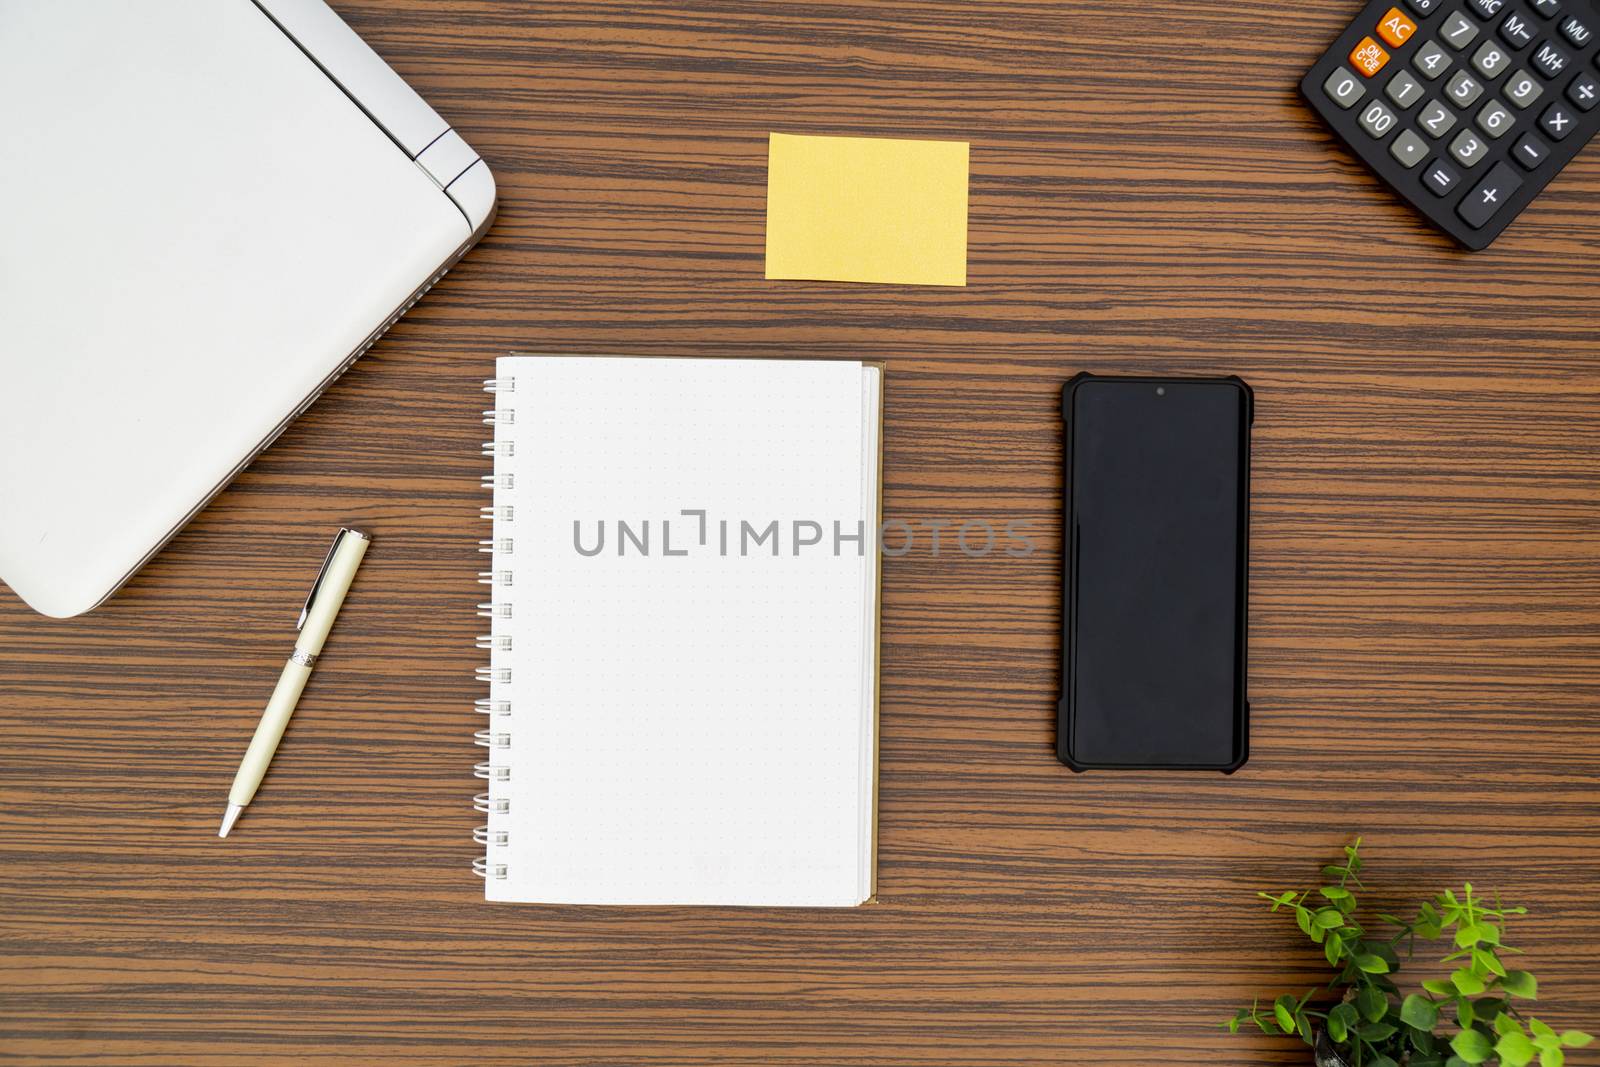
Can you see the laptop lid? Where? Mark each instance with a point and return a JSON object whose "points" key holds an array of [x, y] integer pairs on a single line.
{"points": [[201, 228]]}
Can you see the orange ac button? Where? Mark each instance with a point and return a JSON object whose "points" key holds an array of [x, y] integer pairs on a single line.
{"points": [[1368, 57], [1396, 28]]}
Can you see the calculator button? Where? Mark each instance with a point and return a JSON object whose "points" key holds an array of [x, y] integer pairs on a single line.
{"points": [[1440, 177], [1368, 57], [1549, 60], [1436, 120], [1430, 60], [1486, 9], [1377, 119], [1497, 187], [1409, 149], [1464, 89], [1495, 120], [1522, 90], [1459, 31], [1396, 27], [1517, 31], [1468, 148], [1576, 31], [1424, 7], [1344, 88], [1584, 92], [1558, 121], [1530, 151], [1491, 59], [1403, 89], [1548, 8]]}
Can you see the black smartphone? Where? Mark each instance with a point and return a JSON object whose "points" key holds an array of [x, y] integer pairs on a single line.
{"points": [[1157, 502]]}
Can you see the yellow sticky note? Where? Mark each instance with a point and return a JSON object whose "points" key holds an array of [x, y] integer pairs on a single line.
{"points": [[867, 209]]}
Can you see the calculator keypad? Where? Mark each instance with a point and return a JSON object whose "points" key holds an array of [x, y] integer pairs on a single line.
{"points": [[1435, 119], [1491, 59], [1466, 107], [1404, 90], [1522, 89], [1459, 31]]}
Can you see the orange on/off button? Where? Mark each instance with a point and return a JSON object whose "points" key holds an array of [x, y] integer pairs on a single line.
{"points": [[1396, 28], [1368, 57]]}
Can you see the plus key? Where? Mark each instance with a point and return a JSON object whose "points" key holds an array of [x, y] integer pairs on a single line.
{"points": [[1491, 194]]}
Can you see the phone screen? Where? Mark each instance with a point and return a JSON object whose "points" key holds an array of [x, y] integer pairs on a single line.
{"points": [[1157, 518]]}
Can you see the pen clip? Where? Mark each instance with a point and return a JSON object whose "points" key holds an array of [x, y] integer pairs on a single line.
{"points": [[311, 597]]}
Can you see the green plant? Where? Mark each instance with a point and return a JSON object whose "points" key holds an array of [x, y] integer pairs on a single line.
{"points": [[1374, 1024]]}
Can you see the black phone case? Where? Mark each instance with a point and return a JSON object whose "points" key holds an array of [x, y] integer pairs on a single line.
{"points": [[1064, 710]]}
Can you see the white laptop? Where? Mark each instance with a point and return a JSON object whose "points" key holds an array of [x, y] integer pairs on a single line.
{"points": [[208, 210]]}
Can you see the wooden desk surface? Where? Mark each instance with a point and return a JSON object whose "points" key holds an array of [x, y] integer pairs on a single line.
{"points": [[1147, 194]]}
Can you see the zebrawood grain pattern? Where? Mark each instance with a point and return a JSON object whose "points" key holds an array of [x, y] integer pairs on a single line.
{"points": [[1147, 195]]}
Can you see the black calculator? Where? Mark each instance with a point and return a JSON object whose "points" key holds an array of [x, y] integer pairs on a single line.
{"points": [[1467, 108]]}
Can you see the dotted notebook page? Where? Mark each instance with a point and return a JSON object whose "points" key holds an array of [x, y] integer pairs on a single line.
{"points": [[687, 693]]}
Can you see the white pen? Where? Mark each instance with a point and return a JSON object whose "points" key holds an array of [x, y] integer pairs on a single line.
{"points": [[316, 619]]}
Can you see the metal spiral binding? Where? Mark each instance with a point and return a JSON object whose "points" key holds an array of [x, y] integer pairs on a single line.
{"points": [[499, 546], [488, 706]]}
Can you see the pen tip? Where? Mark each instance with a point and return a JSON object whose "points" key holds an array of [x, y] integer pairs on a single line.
{"points": [[229, 818]]}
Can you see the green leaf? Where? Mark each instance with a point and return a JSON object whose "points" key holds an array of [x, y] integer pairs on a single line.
{"points": [[1467, 936], [1455, 1061], [1283, 1009], [1374, 964], [1552, 1057], [1333, 892], [1540, 1029], [1302, 919], [1439, 987], [1489, 1007], [1328, 919], [1489, 933], [1521, 984], [1382, 1061], [1466, 982], [1418, 1011], [1486, 960], [1515, 1050], [1333, 948], [1471, 1046], [1372, 1004], [1505, 1024], [1575, 1038], [1376, 1032], [1337, 1028], [1303, 1025]]}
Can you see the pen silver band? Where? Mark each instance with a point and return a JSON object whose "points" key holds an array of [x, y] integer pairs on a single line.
{"points": [[305, 659]]}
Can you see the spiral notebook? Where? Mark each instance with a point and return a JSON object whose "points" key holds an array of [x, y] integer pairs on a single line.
{"points": [[683, 651]]}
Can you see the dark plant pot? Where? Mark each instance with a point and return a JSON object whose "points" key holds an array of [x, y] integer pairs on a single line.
{"points": [[1327, 1055]]}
